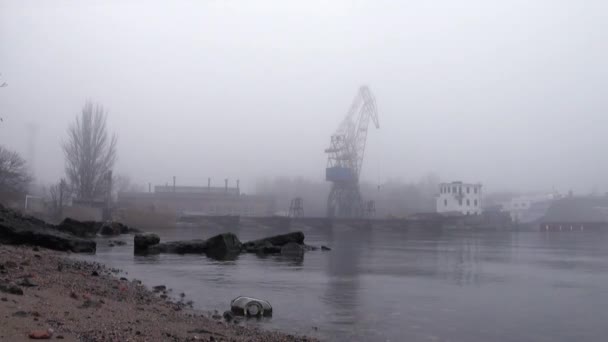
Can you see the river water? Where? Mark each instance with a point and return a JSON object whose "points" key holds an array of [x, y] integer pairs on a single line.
{"points": [[387, 284]]}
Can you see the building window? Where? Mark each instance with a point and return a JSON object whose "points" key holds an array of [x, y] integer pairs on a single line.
{"points": [[475, 189], [475, 202], [468, 190], [445, 202], [454, 190], [468, 202]]}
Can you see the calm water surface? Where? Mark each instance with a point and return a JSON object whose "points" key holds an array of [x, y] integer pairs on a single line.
{"points": [[394, 285]]}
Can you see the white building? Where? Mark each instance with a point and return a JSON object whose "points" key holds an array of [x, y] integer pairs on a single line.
{"points": [[459, 197]]}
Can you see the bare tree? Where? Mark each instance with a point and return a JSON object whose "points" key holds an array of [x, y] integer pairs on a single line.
{"points": [[14, 175], [90, 153]]}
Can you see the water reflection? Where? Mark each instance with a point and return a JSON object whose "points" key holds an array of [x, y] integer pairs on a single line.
{"points": [[343, 272], [402, 283]]}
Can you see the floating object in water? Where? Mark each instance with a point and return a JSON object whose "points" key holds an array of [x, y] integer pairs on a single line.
{"points": [[251, 307]]}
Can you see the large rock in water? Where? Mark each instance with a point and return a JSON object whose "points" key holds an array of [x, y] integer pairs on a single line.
{"points": [[17, 229], [86, 229], [143, 241], [180, 247], [273, 241], [223, 245], [264, 248], [113, 228], [292, 250]]}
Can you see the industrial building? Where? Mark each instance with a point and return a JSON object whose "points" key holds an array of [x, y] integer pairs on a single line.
{"points": [[459, 197], [573, 213], [198, 200]]}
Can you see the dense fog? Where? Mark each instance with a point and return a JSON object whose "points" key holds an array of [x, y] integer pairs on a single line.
{"points": [[510, 94]]}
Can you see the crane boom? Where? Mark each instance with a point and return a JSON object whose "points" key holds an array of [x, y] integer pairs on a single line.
{"points": [[345, 155]]}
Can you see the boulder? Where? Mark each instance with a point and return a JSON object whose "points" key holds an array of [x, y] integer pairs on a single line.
{"points": [[220, 246], [21, 231], [111, 229], [262, 248], [269, 249], [292, 250], [142, 242], [124, 229], [277, 241], [180, 247], [84, 229], [223, 245]]}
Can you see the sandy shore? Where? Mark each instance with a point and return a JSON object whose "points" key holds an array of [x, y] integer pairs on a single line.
{"points": [[80, 301]]}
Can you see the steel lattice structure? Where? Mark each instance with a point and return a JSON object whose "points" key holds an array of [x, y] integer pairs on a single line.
{"points": [[345, 156], [296, 208]]}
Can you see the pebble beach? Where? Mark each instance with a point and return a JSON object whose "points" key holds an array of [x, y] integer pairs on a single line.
{"points": [[46, 294]]}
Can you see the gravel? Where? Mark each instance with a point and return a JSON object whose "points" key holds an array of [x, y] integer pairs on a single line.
{"points": [[75, 305]]}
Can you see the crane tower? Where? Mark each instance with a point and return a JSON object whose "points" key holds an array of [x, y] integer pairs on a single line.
{"points": [[345, 156]]}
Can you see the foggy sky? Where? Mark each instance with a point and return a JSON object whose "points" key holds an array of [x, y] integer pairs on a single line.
{"points": [[508, 93]]}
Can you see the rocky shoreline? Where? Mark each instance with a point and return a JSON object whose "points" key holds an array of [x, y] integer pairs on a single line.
{"points": [[226, 245], [44, 293]]}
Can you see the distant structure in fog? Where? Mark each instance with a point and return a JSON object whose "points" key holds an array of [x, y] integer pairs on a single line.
{"points": [[296, 208], [526, 209], [345, 157], [573, 213], [199, 200], [459, 197]]}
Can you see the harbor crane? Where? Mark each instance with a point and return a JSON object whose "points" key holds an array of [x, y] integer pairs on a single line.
{"points": [[345, 157]]}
